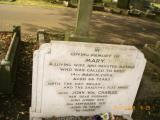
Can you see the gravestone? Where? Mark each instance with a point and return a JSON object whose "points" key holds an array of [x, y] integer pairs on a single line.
{"points": [[124, 4], [83, 79], [81, 32]]}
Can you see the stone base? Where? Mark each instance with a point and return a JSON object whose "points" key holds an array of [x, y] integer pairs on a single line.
{"points": [[79, 38]]}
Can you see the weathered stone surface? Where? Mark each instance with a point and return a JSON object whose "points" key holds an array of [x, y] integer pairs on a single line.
{"points": [[123, 4], [81, 32], [83, 79], [41, 36], [83, 16]]}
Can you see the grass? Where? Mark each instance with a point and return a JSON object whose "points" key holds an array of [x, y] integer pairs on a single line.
{"points": [[156, 4], [39, 3]]}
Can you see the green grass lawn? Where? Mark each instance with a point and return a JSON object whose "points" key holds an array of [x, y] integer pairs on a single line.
{"points": [[39, 3]]}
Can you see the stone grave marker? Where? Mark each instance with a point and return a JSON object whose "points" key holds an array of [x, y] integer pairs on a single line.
{"points": [[81, 32], [83, 79], [83, 17]]}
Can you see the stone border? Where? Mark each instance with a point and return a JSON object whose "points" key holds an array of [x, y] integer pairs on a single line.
{"points": [[42, 36], [9, 62]]}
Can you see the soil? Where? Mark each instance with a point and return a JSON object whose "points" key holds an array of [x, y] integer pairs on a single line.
{"points": [[5, 39], [16, 106]]}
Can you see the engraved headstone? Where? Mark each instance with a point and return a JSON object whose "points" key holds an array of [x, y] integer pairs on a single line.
{"points": [[81, 32], [83, 79], [83, 17]]}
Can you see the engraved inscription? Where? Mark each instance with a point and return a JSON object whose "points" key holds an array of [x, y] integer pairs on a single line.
{"points": [[90, 80]]}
